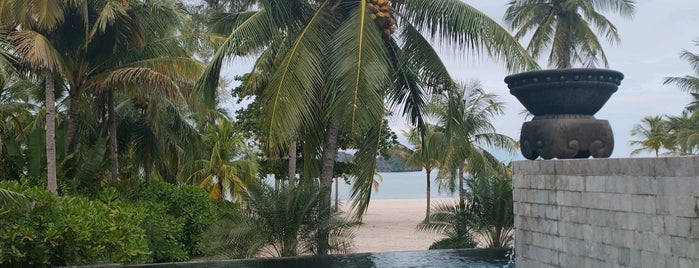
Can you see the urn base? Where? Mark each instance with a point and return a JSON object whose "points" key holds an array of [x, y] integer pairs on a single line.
{"points": [[565, 137]]}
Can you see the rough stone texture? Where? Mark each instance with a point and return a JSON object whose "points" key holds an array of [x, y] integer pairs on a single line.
{"points": [[633, 212]]}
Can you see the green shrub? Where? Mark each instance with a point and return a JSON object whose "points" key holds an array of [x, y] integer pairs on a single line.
{"points": [[71, 231], [31, 237], [190, 204], [97, 233], [164, 233]]}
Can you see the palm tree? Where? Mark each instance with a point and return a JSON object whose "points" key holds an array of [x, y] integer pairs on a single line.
{"points": [[488, 214], [451, 221], [14, 201], [653, 134], [428, 155], [688, 83], [143, 51], [230, 167], [465, 114], [280, 222], [30, 24], [326, 68], [566, 27], [683, 132]]}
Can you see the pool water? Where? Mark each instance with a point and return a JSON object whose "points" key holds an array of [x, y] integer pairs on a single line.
{"points": [[477, 258]]}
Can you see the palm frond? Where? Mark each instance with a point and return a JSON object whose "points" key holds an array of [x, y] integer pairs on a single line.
{"points": [[463, 27]]}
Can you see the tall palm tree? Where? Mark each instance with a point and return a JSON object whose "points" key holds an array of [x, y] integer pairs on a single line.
{"points": [[465, 114], [566, 27], [326, 68], [143, 51], [428, 155], [30, 24], [230, 166], [688, 83], [653, 134]]}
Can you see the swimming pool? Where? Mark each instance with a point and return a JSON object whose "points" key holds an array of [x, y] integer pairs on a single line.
{"points": [[476, 258]]}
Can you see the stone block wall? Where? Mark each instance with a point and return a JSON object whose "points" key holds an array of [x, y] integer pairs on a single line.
{"points": [[625, 212]]}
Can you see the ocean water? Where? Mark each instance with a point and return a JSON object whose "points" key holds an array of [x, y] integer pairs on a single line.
{"points": [[399, 185]]}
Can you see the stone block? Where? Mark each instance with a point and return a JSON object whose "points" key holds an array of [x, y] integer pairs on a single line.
{"points": [[646, 241], [694, 229], [635, 257], [631, 167], [679, 166], [592, 233], [552, 212], [650, 223], [626, 220], [601, 217], [623, 256], [594, 184], [620, 202], [683, 226], [650, 259], [685, 262], [678, 186], [642, 185], [665, 245], [683, 206], [693, 249], [643, 204], [622, 238], [615, 185], [679, 246]]}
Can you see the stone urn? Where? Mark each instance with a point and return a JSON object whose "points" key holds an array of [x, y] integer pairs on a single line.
{"points": [[564, 102]]}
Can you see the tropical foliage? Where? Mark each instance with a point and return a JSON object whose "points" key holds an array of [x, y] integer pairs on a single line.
{"points": [[567, 28], [677, 134], [282, 222], [488, 215], [653, 131]]}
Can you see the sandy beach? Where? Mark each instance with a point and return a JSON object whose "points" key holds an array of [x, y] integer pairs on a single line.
{"points": [[389, 225]]}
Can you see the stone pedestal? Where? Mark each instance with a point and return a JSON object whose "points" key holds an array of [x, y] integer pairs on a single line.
{"points": [[566, 136]]}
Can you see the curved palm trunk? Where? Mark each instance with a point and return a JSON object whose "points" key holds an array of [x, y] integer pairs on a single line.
{"points": [[73, 115], [292, 164], [326, 180], [113, 153], [50, 133], [427, 212]]}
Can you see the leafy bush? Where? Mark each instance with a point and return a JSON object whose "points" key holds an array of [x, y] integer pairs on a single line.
{"points": [[279, 223], [190, 204], [487, 213], [71, 231], [164, 233]]}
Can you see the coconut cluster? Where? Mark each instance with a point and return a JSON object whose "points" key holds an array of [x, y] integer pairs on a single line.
{"points": [[382, 16]]}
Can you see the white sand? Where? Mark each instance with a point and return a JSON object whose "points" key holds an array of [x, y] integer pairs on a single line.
{"points": [[389, 225]]}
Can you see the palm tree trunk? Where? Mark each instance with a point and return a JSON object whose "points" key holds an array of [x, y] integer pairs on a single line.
{"points": [[427, 213], [462, 203], [50, 133], [292, 164], [326, 180], [113, 153], [337, 193], [73, 115]]}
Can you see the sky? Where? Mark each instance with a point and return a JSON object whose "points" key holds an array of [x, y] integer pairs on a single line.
{"points": [[649, 51]]}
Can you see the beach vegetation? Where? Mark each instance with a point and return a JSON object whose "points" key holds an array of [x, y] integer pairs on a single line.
{"points": [[325, 69], [283, 222], [487, 216], [465, 116]]}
